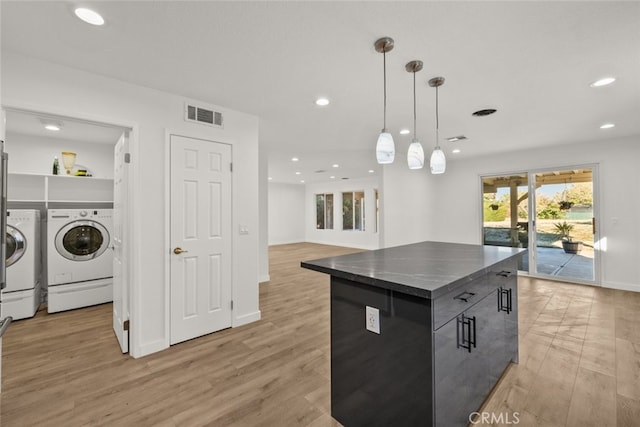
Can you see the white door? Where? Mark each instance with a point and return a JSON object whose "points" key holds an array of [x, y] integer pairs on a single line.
{"points": [[200, 237], [121, 237]]}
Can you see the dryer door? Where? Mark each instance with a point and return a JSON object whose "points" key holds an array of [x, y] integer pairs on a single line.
{"points": [[16, 245], [82, 240]]}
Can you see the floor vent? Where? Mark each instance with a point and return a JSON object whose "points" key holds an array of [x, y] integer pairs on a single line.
{"points": [[203, 116]]}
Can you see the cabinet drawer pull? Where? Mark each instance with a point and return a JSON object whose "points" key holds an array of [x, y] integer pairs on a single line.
{"points": [[466, 332], [505, 273], [465, 296], [505, 294]]}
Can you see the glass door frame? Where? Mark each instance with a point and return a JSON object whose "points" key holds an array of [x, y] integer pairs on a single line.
{"points": [[532, 236]]}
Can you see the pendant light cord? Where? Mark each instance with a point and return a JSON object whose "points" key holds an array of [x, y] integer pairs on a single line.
{"points": [[415, 135], [384, 74], [437, 122]]}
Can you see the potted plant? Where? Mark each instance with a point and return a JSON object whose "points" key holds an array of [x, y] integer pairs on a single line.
{"points": [[564, 229]]}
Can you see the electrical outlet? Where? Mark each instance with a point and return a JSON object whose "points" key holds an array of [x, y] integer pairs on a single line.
{"points": [[372, 319]]}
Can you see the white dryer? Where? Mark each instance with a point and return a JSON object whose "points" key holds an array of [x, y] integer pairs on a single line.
{"points": [[79, 258], [21, 297]]}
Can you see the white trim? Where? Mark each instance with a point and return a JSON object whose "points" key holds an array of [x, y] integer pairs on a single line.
{"points": [[149, 348], [246, 319], [286, 242], [264, 278], [622, 286]]}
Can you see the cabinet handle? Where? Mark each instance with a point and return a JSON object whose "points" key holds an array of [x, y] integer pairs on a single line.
{"points": [[465, 296], [505, 273], [502, 295], [466, 332]]}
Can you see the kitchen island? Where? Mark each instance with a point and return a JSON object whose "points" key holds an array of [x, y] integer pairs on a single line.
{"points": [[420, 333]]}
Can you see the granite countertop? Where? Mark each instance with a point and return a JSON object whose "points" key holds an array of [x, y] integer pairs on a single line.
{"points": [[425, 269]]}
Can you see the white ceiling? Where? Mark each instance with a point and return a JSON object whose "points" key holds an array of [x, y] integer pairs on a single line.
{"points": [[27, 123], [533, 61]]}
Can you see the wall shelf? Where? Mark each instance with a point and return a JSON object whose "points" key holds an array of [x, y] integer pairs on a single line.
{"points": [[58, 189]]}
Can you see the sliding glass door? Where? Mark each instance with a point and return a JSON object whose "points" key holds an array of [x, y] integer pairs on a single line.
{"points": [[505, 212], [565, 224], [550, 212]]}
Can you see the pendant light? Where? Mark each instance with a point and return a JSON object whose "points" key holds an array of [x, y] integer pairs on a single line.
{"points": [[438, 161], [385, 149], [415, 155]]}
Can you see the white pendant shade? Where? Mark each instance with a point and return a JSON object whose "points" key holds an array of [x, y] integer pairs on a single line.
{"points": [[438, 161], [385, 148], [415, 155]]}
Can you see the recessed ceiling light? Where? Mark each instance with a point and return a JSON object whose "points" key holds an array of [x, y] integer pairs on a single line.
{"points": [[89, 16], [607, 126], [322, 102], [294, 159], [371, 171], [270, 178], [603, 82], [455, 150], [51, 124], [332, 177], [405, 131], [336, 165], [298, 173], [302, 181]]}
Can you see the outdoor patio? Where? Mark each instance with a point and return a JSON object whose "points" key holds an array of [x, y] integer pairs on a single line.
{"points": [[555, 262]]}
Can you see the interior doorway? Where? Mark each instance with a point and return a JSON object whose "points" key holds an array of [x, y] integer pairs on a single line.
{"points": [[90, 185], [551, 212]]}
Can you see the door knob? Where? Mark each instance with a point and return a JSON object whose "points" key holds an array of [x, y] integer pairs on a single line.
{"points": [[179, 250]]}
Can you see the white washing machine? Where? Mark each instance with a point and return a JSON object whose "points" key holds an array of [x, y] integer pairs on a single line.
{"points": [[21, 297], [79, 258]]}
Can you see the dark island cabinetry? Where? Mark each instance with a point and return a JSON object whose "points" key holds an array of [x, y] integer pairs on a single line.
{"points": [[446, 332]]}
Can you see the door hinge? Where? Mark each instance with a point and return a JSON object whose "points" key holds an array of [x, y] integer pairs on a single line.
{"points": [[125, 325], [231, 167], [127, 157], [231, 304]]}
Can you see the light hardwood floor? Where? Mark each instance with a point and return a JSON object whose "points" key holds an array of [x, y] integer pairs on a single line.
{"points": [[579, 362]]}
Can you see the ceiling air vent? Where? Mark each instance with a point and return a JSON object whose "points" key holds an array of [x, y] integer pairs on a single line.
{"points": [[203, 116]]}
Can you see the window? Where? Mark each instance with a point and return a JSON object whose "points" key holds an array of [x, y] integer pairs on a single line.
{"points": [[324, 211], [353, 211]]}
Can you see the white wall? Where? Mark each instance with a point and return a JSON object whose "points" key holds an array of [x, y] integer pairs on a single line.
{"points": [[456, 214], [286, 213], [41, 86], [408, 204], [367, 239], [34, 154]]}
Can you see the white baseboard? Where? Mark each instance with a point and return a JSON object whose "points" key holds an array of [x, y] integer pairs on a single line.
{"points": [[264, 278], [284, 242], [622, 286], [147, 349], [246, 319]]}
